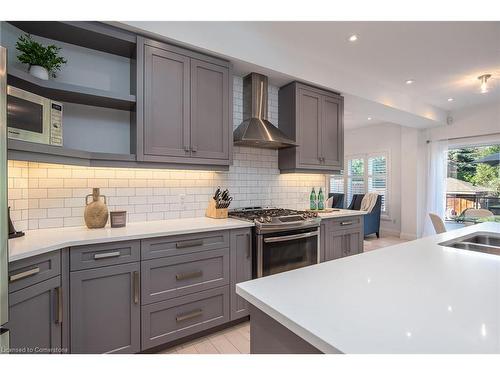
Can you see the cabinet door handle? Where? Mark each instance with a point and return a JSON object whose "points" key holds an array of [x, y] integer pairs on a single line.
{"points": [[344, 223], [59, 306], [187, 148], [194, 148], [188, 275], [189, 315], [24, 274], [113, 254], [184, 244], [249, 246], [136, 287]]}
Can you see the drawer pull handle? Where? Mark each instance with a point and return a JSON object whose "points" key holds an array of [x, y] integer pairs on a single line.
{"points": [[136, 287], [345, 223], [188, 275], [24, 274], [189, 315], [183, 244], [113, 254], [59, 308]]}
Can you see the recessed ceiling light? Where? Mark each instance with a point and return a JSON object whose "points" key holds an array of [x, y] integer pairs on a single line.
{"points": [[369, 118], [353, 38], [450, 99], [409, 81]]}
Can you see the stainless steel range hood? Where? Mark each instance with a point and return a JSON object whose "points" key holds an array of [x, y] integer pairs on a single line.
{"points": [[256, 130]]}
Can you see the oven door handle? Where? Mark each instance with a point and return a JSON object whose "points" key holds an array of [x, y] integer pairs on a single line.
{"points": [[291, 237]]}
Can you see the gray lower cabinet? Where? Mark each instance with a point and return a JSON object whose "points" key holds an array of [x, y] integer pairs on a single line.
{"points": [[128, 296], [341, 237], [185, 115], [176, 276], [35, 318], [314, 118], [175, 318], [105, 309], [241, 269]]}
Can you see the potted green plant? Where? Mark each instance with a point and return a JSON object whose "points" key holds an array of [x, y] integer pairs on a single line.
{"points": [[43, 61]]}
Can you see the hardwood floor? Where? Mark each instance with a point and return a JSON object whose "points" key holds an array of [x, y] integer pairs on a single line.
{"points": [[236, 340]]}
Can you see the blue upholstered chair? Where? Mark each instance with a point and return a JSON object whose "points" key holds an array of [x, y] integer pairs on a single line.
{"points": [[372, 219], [338, 200]]}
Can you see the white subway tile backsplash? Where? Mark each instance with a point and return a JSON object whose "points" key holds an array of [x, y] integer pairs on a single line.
{"points": [[50, 196]]}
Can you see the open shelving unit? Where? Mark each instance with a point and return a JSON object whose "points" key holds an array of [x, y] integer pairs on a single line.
{"points": [[65, 92], [111, 44]]}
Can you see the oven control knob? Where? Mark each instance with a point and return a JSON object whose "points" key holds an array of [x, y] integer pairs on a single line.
{"points": [[261, 219], [268, 219]]}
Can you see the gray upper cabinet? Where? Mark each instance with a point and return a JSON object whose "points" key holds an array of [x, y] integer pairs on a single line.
{"points": [[209, 110], [184, 106], [35, 318], [241, 269], [310, 136], [105, 309], [166, 100], [314, 119], [332, 131]]}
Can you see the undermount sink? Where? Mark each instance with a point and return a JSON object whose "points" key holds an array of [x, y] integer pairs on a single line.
{"points": [[483, 242]]}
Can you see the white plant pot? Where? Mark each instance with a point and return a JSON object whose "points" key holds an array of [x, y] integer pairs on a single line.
{"points": [[39, 72]]}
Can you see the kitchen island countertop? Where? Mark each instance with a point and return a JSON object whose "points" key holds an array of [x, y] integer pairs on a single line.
{"points": [[415, 297]]}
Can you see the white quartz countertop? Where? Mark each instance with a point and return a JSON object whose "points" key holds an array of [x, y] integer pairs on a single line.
{"points": [[341, 213], [41, 241], [415, 297]]}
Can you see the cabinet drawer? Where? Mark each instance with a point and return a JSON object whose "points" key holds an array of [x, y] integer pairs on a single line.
{"points": [[29, 271], [183, 274], [107, 254], [342, 223], [179, 317], [178, 245]]}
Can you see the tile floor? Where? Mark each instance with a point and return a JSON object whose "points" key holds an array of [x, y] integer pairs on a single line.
{"points": [[233, 340], [236, 339], [373, 243]]}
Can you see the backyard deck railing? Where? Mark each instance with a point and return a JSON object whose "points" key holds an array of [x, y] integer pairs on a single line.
{"points": [[460, 202]]}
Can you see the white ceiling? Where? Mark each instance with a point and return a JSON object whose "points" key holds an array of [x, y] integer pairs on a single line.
{"points": [[444, 59]]}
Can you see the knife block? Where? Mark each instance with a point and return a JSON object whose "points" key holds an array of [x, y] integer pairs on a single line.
{"points": [[215, 213]]}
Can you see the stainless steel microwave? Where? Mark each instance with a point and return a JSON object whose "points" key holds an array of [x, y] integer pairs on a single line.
{"points": [[33, 118]]}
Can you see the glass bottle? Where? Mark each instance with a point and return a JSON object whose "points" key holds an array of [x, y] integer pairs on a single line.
{"points": [[312, 200], [321, 199]]}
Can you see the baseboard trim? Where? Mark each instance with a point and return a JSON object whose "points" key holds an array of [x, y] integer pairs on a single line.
{"points": [[389, 232], [408, 236]]}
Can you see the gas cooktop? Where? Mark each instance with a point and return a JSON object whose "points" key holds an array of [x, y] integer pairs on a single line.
{"points": [[276, 218]]}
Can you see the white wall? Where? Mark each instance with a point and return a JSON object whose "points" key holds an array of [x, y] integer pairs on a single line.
{"points": [[481, 120], [381, 138]]}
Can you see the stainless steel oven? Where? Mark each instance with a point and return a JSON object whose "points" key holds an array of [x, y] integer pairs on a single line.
{"points": [[287, 250], [284, 239], [33, 118]]}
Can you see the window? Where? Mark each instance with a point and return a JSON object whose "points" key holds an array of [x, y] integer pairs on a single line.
{"points": [[365, 173], [355, 178], [337, 183], [377, 177]]}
